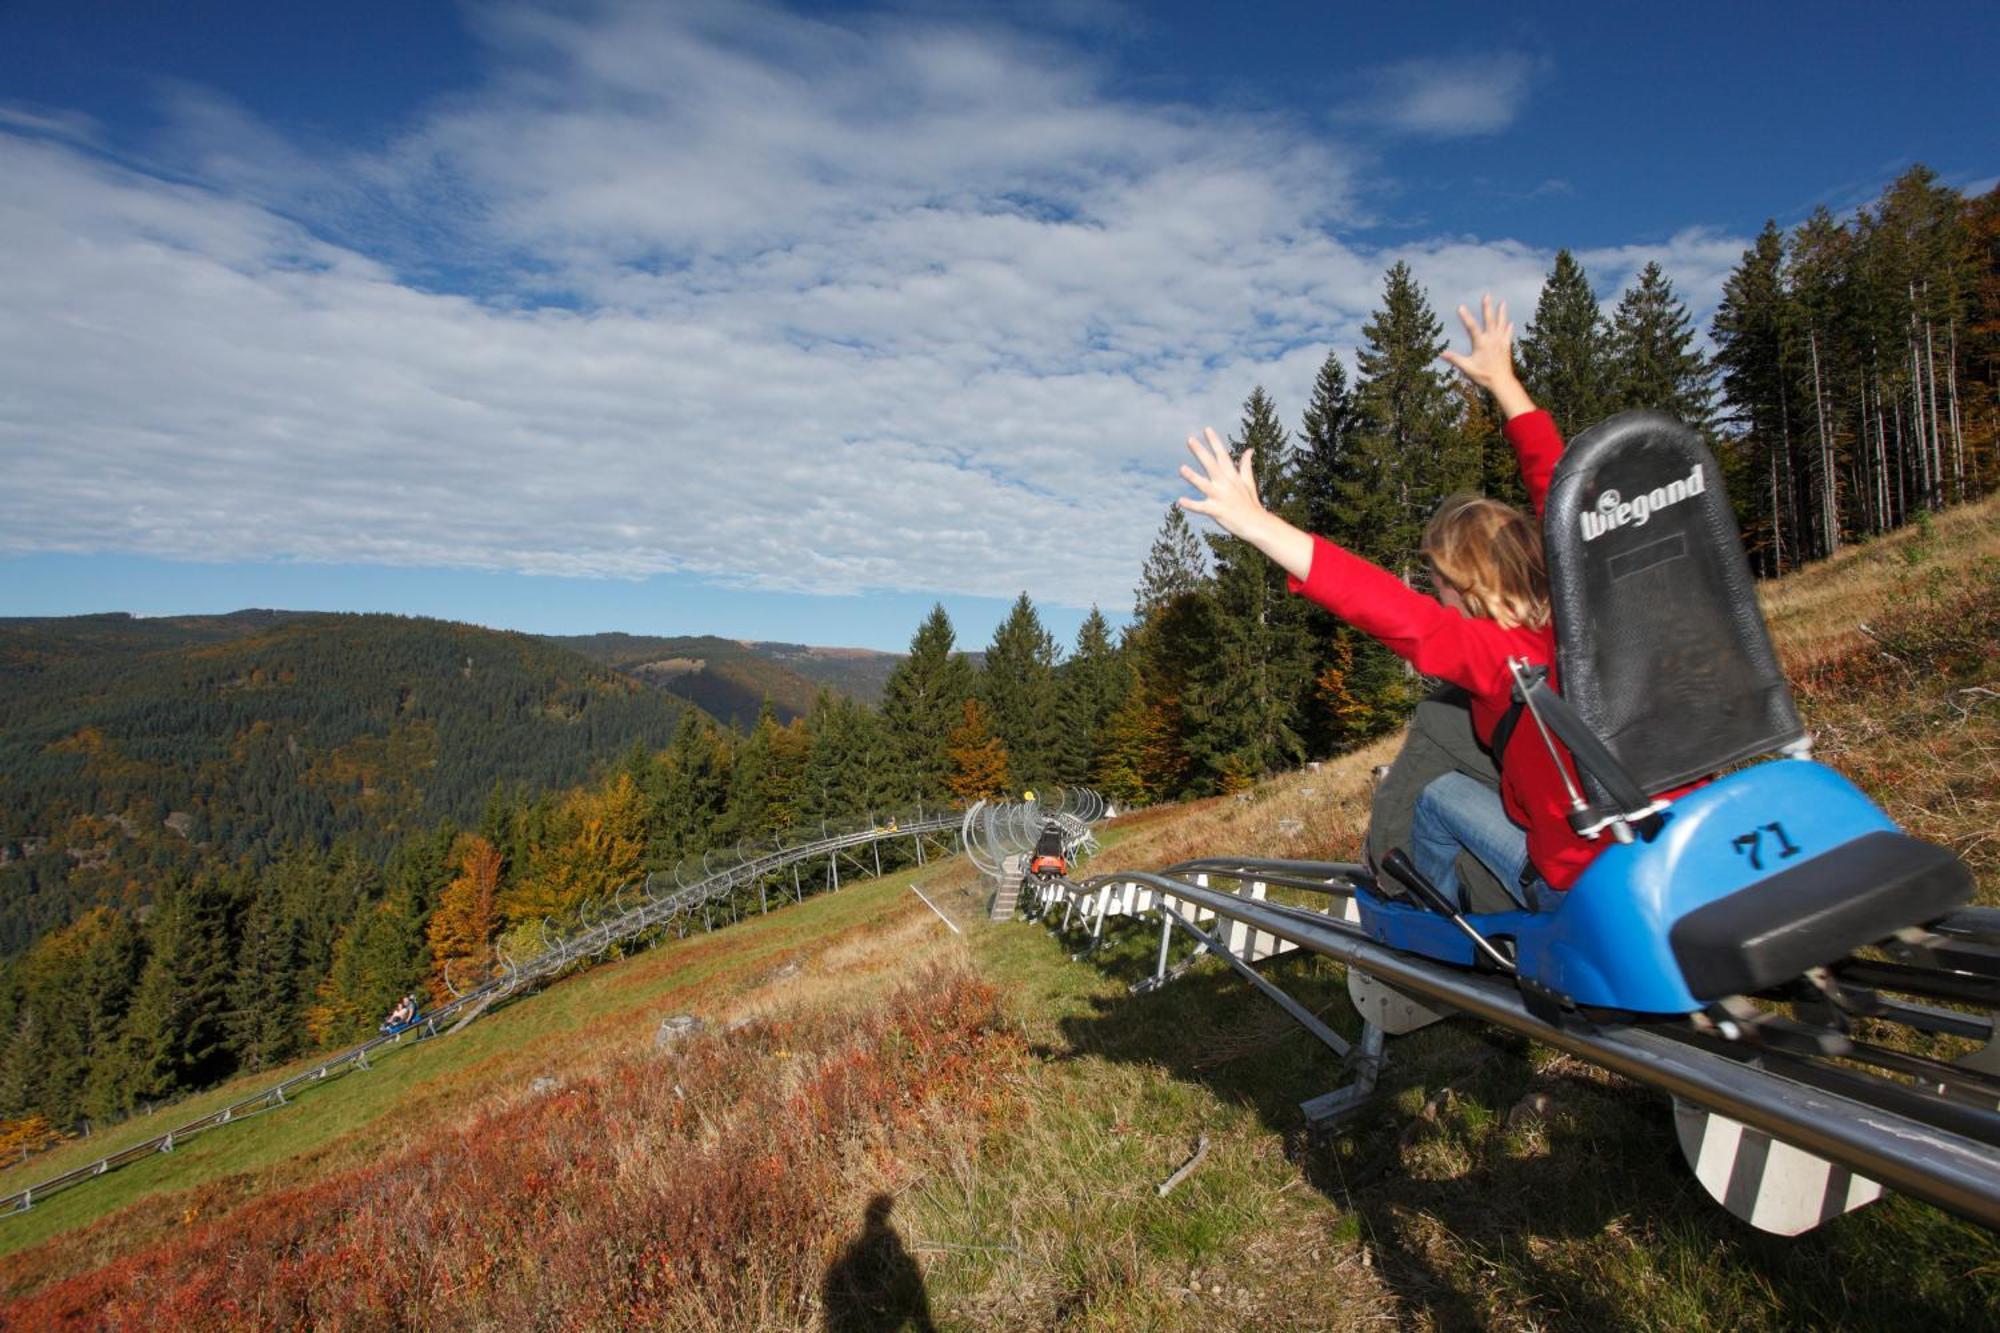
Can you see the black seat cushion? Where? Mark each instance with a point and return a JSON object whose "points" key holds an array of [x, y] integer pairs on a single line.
{"points": [[1816, 913]]}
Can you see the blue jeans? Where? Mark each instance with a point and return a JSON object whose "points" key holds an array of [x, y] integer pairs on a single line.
{"points": [[1460, 813]]}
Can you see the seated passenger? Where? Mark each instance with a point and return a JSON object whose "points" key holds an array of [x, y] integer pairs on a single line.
{"points": [[1492, 605], [1047, 857], [404, 1012]]}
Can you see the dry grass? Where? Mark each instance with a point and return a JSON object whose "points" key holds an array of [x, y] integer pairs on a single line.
{"points": [[1817, 614], [1311, 814]]}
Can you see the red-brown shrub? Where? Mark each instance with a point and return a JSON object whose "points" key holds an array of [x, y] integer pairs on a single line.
{"points": [[707, 1186]]}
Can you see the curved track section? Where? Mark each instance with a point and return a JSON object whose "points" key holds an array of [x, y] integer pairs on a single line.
{"points": [[691, 895], [1928, 1128], [994, 831]]}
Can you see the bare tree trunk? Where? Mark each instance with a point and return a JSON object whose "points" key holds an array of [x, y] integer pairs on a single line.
{"points": [[1828, 485], [1871, 479], [1777, 525], [1884, 517], [1902, 496], [1937, 435], [1923, 449], [1785, 439], [1957, 423]]}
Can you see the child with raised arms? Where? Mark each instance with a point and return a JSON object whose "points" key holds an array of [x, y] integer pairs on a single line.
{"points": [[1492, 605]]}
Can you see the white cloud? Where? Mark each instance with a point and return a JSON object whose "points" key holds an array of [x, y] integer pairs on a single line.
{"points": [[1447, 98], [893, 303]]}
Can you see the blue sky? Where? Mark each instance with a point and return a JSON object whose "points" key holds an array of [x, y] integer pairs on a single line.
{"points": [[787, 321]]}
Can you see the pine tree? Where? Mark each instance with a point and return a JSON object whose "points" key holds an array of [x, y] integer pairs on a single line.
{"points": [[177, 1033], [1921, 274], [747, 817], [1176, 567], [848, 766], [1375, 463], [1091, 686], [1330, 475], [1751, 338], [1482, 436], [264, 997], [1244, 690], [1119, 774], [71, 991], [978, 758], [1654, 361], [692, 795], [790, 748], [1169, 636], [114, 955], [1409, 453], [1565, 355], [378, 959], [921, 703], [1018, 687], [1820, 318]]}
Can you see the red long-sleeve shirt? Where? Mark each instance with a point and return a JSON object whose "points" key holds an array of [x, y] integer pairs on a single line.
{"points": [[1472, 653]]}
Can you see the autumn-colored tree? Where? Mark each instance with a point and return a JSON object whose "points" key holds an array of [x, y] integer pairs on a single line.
{"points": [[25, 1135], [461, 929], [597, 845], [978, 759], [1119, 773], [1349, 706]]}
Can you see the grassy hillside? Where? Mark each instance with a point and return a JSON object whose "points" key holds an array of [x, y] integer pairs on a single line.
{"points": [[883, 1118], [130, 748], [730, 679]]}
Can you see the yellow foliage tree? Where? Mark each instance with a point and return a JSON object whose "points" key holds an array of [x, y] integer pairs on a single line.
{"points": [[596, 846], [461, 929], [978, 758], [26, 1135]]}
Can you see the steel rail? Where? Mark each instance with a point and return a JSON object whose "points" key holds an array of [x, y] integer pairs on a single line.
{"points": [[1951, 1170], [512, 977]]}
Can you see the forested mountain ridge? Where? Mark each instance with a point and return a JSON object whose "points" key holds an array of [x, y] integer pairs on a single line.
{"points": [[132, 749], [730, 678]]}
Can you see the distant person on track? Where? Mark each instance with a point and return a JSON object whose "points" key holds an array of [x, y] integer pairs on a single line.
{"points": [[1047, 858], [1492, 604], [402, 1015]]}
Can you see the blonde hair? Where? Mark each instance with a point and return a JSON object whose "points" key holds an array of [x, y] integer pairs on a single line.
{"points": [[1491, 553]]}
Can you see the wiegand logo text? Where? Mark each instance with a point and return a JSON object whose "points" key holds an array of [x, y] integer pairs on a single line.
{"points": [[1615, 511]]}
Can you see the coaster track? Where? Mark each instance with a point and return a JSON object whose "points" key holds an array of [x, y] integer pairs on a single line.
{"points": [[1794, 1069], [676, 899]]}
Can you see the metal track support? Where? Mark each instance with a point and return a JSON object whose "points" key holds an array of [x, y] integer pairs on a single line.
{"points": [[1366, 1061], [1303, 1016]]}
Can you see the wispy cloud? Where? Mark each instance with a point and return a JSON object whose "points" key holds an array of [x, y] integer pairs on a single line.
{"points": [[791, 304], [49, 122], [1447, 98]]}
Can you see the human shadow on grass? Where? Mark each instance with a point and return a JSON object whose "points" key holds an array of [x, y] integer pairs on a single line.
{"points": [[875, 1285], [1469, 1219]]}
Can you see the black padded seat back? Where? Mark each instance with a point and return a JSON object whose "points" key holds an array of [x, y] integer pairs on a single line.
{"points": [[1660, 645]]}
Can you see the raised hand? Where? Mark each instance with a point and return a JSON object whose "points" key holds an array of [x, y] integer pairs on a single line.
{"points": [[1490, 363], [1229, 489], [1229, 496], [1492, 344]]}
